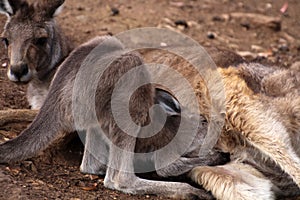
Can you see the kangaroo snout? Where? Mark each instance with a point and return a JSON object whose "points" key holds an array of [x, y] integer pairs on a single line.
{"points": [[19, 73]]}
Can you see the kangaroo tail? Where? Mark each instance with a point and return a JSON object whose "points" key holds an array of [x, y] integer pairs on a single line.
{"points": [[43, 131]]}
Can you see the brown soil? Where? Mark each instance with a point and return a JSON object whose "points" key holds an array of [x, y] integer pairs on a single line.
{"points": [[209, 23]]}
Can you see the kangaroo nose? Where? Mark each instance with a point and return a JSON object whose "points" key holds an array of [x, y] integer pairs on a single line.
{"points": [[19, 71]]}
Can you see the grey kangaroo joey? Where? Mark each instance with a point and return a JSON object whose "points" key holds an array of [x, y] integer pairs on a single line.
{"points": [[58, 117]]}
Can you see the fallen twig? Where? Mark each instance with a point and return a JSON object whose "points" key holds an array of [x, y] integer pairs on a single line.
{"points": [[15, 116], [259, 19]]}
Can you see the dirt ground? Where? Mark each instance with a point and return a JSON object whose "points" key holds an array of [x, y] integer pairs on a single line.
{"points": [[221, 23]]}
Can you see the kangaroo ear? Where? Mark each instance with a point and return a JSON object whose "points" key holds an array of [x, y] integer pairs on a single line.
{"points": [[50, 8], [10, 7], [168, 102]]}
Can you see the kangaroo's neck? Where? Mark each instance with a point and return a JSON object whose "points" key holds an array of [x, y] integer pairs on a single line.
{"points": [[60, 49], [37, 92], [39, 86]]}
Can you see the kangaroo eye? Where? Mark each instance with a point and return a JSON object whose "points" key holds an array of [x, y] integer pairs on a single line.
{"points": [[41, 41], [5, 42]]}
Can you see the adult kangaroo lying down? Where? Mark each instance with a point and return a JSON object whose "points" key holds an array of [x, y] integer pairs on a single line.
{"points": [[262, 134], [56, 118], [261, 130]]}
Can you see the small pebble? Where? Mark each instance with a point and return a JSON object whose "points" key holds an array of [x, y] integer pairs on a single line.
{"points": [[275, 50], [87, 32], [181, 23], [217, 19], [284, 48], [162, 44], [246, 25], [269, 6], [115, 11], [282, 41], [241, 4], [79, 8], [211, 35], [177, 4], [256, 48]]}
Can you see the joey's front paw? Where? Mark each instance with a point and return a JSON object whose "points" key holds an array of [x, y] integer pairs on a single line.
{"points": [[195, 194], [217, 158]]}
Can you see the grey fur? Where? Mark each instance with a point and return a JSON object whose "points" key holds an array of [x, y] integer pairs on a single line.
{"points": [[55, 119], [36, 45]]}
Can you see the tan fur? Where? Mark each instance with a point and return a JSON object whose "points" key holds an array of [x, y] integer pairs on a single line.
{"points": [[261, 117], [247, 115], [234, 181], [266, 122]]}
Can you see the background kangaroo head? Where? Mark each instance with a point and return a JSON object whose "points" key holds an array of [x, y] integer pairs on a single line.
{"points": [[29, 35]]}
